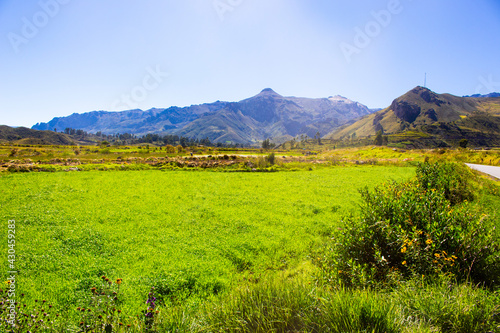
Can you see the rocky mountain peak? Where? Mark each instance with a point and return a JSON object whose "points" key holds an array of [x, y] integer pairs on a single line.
{"points": [[268, 92], [338, 98]]}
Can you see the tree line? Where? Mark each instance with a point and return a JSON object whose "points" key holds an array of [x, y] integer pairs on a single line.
{"points": [[130, 139]]}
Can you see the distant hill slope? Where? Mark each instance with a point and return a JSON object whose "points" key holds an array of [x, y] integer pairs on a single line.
{"points": [[23, 135], [265, 115], [442, 117]]}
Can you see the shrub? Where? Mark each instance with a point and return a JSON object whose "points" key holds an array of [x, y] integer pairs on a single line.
{"points": [[449, 178], [262, 162], [170, 149], [416, 228], [463, 143], [13, 152], [271, 158]]}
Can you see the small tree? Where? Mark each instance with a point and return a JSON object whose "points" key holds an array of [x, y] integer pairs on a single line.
{"points": [[271, 158], [179, 148], [170, 149], [267, 144], [379, 140], [463, 143]]}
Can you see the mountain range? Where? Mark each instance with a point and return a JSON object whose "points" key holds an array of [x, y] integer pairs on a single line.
{"points": [[266, 115], [421, 116]]}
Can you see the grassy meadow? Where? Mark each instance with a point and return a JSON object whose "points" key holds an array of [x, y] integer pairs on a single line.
{"points": [[188, 234], [154, 248]]}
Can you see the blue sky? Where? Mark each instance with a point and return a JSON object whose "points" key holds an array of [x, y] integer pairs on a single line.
{"points": [[58, 57]]}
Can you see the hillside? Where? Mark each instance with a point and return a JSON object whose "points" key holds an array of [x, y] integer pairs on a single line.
{"points": [[441, 119], [265, 115], [23, 135]]}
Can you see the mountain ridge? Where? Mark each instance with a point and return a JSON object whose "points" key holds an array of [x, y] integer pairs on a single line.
{"points": [[444, 117], [249, 121]]}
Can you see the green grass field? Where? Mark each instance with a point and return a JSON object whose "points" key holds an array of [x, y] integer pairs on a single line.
{"points": [[193, 233], [224, 252]]}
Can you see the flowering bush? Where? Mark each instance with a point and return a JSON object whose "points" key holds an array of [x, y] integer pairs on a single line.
{"points": [[421, 227], [451, 179]]}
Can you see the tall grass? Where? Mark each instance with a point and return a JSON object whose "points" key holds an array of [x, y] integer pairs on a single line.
{"points": [[448, 306], [293, 304], [278, 305]]}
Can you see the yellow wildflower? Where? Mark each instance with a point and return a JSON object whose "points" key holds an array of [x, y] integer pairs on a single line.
{"points": [[404, 262], [403, 250], [437, 255], [429, 241]]}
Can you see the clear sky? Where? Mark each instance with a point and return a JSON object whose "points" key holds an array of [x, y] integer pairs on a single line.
{"points": [[58, 57]]}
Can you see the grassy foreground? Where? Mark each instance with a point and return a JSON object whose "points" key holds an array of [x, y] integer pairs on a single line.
{"points": [[222, 251], [187, 234]]}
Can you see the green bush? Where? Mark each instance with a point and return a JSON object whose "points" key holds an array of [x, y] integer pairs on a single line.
{"points": [[449, 178], [271, 158], [417, 228]]}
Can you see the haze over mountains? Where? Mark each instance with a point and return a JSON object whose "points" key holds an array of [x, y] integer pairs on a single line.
{"points": [[265, 115]]}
